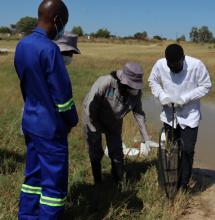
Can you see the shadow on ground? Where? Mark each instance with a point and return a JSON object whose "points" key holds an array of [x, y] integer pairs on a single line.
{"points": [[9, 161], [101, 202], [203, 179], [134, 169]]}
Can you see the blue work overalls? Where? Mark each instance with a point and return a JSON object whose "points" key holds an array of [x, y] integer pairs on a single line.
{"points": [[49, 114]]}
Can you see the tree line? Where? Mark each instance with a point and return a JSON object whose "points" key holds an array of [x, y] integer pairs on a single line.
{"points": [[26, 24], [201, 35]]}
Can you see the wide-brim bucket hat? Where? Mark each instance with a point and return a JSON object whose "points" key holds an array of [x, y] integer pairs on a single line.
{"points": [[131, 75], [68, 42]]}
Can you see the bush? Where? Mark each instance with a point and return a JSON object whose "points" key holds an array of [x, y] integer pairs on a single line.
{"points": [[103, 33], [5, 30], [157, 37], [141, 35], [78, 31]]}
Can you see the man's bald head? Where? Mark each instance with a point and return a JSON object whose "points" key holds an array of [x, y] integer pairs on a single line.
{"points": [[52, 14], [49, 9]]}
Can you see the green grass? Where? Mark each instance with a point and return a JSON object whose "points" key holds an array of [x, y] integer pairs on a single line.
{"points": [[141, 197]]}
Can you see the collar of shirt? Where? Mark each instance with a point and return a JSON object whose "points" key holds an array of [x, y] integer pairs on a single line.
{"points": [[114, 83], [40, 31], [115, 86]]}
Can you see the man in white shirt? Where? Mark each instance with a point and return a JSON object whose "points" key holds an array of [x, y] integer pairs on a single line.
{"points": [[181, 80]]}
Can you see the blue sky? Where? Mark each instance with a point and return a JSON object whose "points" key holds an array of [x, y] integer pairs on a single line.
{"points": [[168, 18]]}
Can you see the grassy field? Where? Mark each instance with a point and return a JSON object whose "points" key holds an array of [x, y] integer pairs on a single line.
{"points": [[140, 197]]}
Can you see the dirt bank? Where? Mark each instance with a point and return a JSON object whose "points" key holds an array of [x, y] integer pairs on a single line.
{"points": [[202, 205]]}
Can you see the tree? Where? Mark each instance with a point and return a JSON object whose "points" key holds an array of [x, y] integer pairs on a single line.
{"points": [[205, 35], [78, 30], [26, 25], [13, 28], [194, 35], [202, 35], [157, 37], [181, 38], [5, 30], [103, 33], [141, 35], [92, 34], [213, 41]]}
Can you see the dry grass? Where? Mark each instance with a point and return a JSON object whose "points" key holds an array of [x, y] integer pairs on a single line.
{"points": [[141, 197]]}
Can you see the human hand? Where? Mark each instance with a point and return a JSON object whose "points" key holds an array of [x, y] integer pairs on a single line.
{"points": [[153, 144], [166, 101], [145, 148], [178, 101]]}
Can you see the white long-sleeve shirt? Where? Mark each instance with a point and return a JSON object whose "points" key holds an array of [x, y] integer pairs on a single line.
{"points": [[191, 84]]}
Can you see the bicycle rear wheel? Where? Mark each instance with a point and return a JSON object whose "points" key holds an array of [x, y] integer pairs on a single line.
{"points": [[168, 165]]}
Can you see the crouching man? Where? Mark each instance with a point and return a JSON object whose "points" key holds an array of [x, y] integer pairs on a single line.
{"points": [[108, 101]]}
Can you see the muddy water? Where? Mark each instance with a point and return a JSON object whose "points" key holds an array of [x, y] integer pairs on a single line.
{"points": [[205, 147]]}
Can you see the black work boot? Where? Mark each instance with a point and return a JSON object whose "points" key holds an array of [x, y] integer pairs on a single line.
{"points": [[117, 170], [97, 172]]}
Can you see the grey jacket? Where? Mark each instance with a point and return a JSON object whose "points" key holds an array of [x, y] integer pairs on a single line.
{"points": [[104, 107]]}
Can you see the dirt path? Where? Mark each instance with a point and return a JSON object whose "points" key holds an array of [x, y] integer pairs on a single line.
{"points": [[203, 200]]}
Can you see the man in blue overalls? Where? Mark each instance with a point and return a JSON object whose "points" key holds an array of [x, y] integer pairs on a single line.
{"points": [[49, 114]]}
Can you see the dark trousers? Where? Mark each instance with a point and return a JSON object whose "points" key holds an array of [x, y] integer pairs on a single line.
{"points": [[115, 151], [188, 138], [113, 140]]}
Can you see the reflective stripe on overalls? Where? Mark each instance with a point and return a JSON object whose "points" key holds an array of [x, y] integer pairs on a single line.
{"points": [[45, 200]]}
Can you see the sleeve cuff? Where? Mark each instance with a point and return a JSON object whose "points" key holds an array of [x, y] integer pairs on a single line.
{"points": [[162, 96], [66, 106], [185, 98]]}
